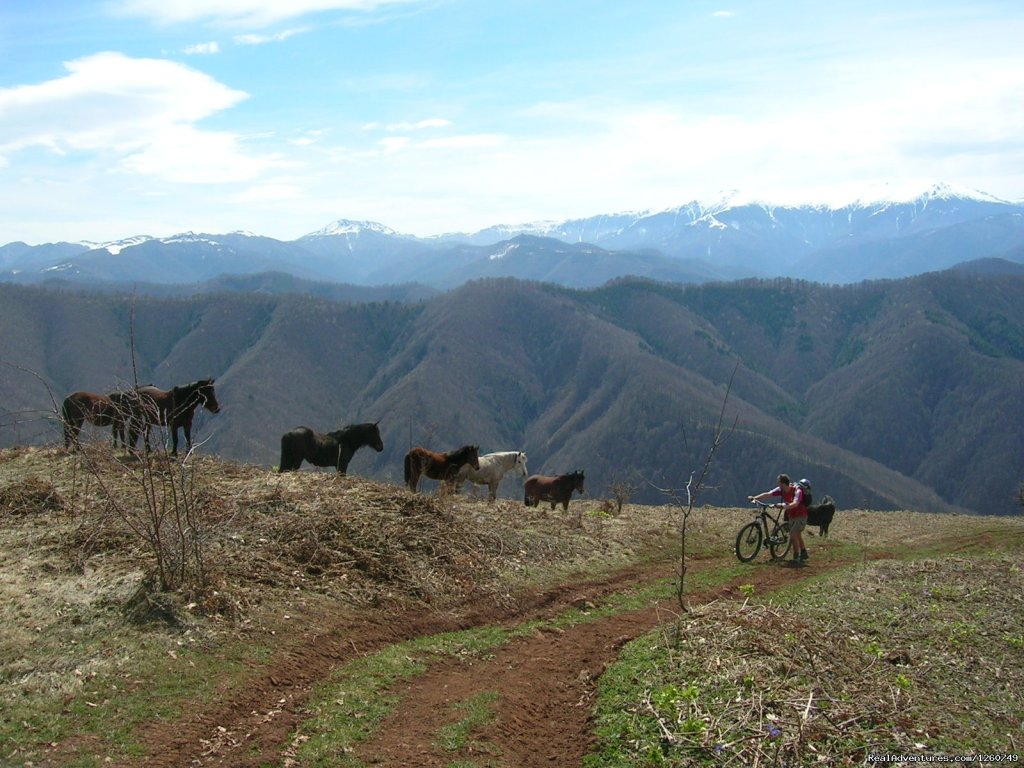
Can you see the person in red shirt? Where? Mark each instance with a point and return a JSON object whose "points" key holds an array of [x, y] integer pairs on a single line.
{"points": [[796, 512]]}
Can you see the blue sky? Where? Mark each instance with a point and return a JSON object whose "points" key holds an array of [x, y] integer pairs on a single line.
{"points": [[153, 117]]}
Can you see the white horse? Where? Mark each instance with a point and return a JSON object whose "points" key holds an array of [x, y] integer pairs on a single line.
{"points": [[493, 467]]}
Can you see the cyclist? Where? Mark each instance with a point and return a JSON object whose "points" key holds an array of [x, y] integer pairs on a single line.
{"points": [[796, 512]]}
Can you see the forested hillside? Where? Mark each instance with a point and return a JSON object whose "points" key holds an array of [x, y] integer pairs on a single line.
{"points": [[886, 395]]}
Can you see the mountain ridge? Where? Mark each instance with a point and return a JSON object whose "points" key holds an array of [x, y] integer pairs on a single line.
{"points": [[728, 238], [886, 394]]}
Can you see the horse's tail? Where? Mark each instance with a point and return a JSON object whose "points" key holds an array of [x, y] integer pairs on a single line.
{"points": [[71, 419], [408, 469]]}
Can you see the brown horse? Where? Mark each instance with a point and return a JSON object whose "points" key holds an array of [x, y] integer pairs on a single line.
{"points": [[557, 490], [174, 408], [80, 407], [125, 400], [419, 462]]}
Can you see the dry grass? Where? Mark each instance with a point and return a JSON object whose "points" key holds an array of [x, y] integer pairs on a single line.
{"points": [[920, 657], [273, 543], [281, 548]]}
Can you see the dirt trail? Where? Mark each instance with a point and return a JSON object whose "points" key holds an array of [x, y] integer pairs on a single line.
{"points": [[545, 686], [545, 683], [250, 727]]}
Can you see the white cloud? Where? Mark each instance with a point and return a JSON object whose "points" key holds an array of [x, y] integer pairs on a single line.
{"points": [[418, 126], [469, 141], [181, 154], [250, 13], [308, 138], [202, 49], [139, 114], [394, 144], [270, 193], [254, 39]]}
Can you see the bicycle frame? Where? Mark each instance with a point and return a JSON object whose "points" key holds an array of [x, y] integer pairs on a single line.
{"points": [[766, 530]]}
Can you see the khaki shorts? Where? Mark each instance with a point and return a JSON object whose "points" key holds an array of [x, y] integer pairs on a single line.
{"points": [[797, 524]]}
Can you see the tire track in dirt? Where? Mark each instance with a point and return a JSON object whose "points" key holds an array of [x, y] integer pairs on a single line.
{"points": [[251, 726], [545, 687], [548, 681]]}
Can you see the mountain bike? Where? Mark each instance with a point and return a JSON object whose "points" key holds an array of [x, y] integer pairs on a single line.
{"points": [[767, 530]]}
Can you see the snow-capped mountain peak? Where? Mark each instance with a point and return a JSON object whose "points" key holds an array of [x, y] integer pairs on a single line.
{"points": [[116, 246], [880, 195], [348, 227]]}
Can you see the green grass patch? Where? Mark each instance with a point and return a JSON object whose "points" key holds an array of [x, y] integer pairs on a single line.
{"points": [[474, 713], [157, 679], [914, 657]]}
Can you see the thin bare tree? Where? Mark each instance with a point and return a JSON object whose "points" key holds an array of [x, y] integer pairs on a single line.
{"points": [[696, 483]]}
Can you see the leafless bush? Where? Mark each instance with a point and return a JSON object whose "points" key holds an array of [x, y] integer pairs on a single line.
{"points": [[621, 491], [156, 498]]}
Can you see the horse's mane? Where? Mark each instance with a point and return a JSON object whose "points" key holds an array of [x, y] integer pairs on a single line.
{"points": [[462, 452], [351, 429]]}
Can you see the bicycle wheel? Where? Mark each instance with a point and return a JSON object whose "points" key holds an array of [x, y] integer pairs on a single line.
{"points": [[748, 541], [778, 542]]}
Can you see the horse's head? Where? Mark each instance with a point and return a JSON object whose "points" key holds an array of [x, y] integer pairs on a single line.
{"points": [[473, 455], [373, 438], [520, 465], [207, 396], [577, 480]]}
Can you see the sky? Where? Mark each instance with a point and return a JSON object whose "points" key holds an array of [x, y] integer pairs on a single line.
{"points": [[155, 117]]}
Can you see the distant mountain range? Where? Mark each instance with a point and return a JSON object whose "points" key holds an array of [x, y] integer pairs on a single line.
{"points": [[886, 394], [694, 243]]}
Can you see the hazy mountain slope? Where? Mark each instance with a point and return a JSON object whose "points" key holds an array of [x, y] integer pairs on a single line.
{"points": [[918, 374], [595, 398], [914, 252], [270, 283], [880, 393]]}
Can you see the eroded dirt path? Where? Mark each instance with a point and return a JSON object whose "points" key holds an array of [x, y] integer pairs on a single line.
{"points": [[544, 683], [251, 727]]}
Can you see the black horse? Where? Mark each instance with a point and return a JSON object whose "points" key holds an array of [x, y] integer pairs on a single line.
{"points": [[175, 409], [333, 449]]}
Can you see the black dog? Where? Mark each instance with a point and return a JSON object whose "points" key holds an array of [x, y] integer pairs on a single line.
{"points": [[821, 515]]}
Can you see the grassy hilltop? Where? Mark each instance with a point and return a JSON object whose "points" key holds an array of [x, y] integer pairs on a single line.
{"points": [[300, 610]]}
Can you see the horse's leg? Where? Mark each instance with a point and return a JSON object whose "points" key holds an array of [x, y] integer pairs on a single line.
{"points": [[285, 465], [492, 485], [186, 427], [71, 431], [344, 457], [188, 431]]}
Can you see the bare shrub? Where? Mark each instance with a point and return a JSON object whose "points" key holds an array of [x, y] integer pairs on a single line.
{"points": [[621, 491], [31, 495], [156, 500]]}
